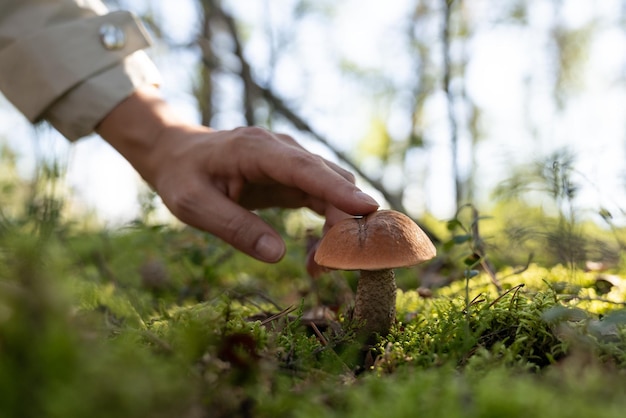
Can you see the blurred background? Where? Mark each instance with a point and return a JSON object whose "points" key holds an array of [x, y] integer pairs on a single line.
{"points": [[433, 103]]}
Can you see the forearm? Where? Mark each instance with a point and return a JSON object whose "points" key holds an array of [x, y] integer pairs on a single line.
{"points": [[136, 129]]}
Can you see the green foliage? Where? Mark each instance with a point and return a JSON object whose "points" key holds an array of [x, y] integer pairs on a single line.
{"points": [[83, 333], [573, 48], [151, 320], [506, 330]]}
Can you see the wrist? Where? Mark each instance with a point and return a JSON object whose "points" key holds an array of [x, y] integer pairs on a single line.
{"points": [[136, 129]]}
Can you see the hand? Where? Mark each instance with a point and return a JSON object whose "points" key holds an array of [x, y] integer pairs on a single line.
{"points": [[212, 179]]}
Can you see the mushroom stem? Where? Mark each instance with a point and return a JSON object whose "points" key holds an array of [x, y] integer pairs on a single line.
{"points": [[375, 304]]}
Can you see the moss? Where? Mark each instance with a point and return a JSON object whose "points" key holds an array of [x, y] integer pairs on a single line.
{"points": [[81, 335]]}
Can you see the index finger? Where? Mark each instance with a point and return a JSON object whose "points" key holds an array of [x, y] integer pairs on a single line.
{"points": [[320, 179]]}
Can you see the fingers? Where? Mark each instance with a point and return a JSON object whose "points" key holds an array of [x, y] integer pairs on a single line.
{"points": [[319, 179], [213, 212], [279, 172], [214, 180]]}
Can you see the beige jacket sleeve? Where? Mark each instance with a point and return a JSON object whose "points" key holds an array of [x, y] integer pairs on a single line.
{"points": [[70, 62]]}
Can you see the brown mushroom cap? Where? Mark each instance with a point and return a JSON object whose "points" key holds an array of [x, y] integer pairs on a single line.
{"points": [[381, 240]]}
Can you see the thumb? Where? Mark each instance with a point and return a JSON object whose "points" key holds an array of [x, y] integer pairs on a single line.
{"points": [[248, 233], [235, 225]]}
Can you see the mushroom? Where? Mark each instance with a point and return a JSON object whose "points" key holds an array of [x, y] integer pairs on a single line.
{"points": [[375, 244]]}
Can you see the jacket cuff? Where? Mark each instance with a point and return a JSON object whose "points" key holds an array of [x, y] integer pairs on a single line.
{"points": [[79, 111], [34, 60]]}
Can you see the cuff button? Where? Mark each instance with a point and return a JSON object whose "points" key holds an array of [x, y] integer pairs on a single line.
{"points": [[112, 37]]}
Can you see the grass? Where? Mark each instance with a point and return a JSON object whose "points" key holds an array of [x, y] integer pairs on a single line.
{"points": [[151, 321]]}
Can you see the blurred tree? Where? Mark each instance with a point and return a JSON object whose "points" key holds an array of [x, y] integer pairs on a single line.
{"points": [[11, 185], [418, 103]]}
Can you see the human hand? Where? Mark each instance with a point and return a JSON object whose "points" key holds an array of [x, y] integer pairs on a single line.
{"points": [[213, 179]]}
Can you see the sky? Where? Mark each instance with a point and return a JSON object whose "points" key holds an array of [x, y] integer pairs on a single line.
{"points": [[504, 78]]}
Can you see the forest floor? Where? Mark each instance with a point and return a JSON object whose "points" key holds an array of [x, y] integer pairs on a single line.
{"points": [[150, 321]]}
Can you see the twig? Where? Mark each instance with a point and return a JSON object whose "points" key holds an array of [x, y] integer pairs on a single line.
{"points": [[319, 335], [521, 269], [278, 315], [499, 298], [479, 248]]}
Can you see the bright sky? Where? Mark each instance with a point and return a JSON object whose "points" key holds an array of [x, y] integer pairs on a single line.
{"points": [[503, 71]]}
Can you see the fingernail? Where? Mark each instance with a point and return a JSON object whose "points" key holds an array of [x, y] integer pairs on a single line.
{"points": [[269, 248], [365, 198]]}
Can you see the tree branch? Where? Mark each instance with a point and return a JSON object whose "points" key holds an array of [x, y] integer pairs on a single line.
{"points": [[245, 72], [254, 89], [447, 78]]}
